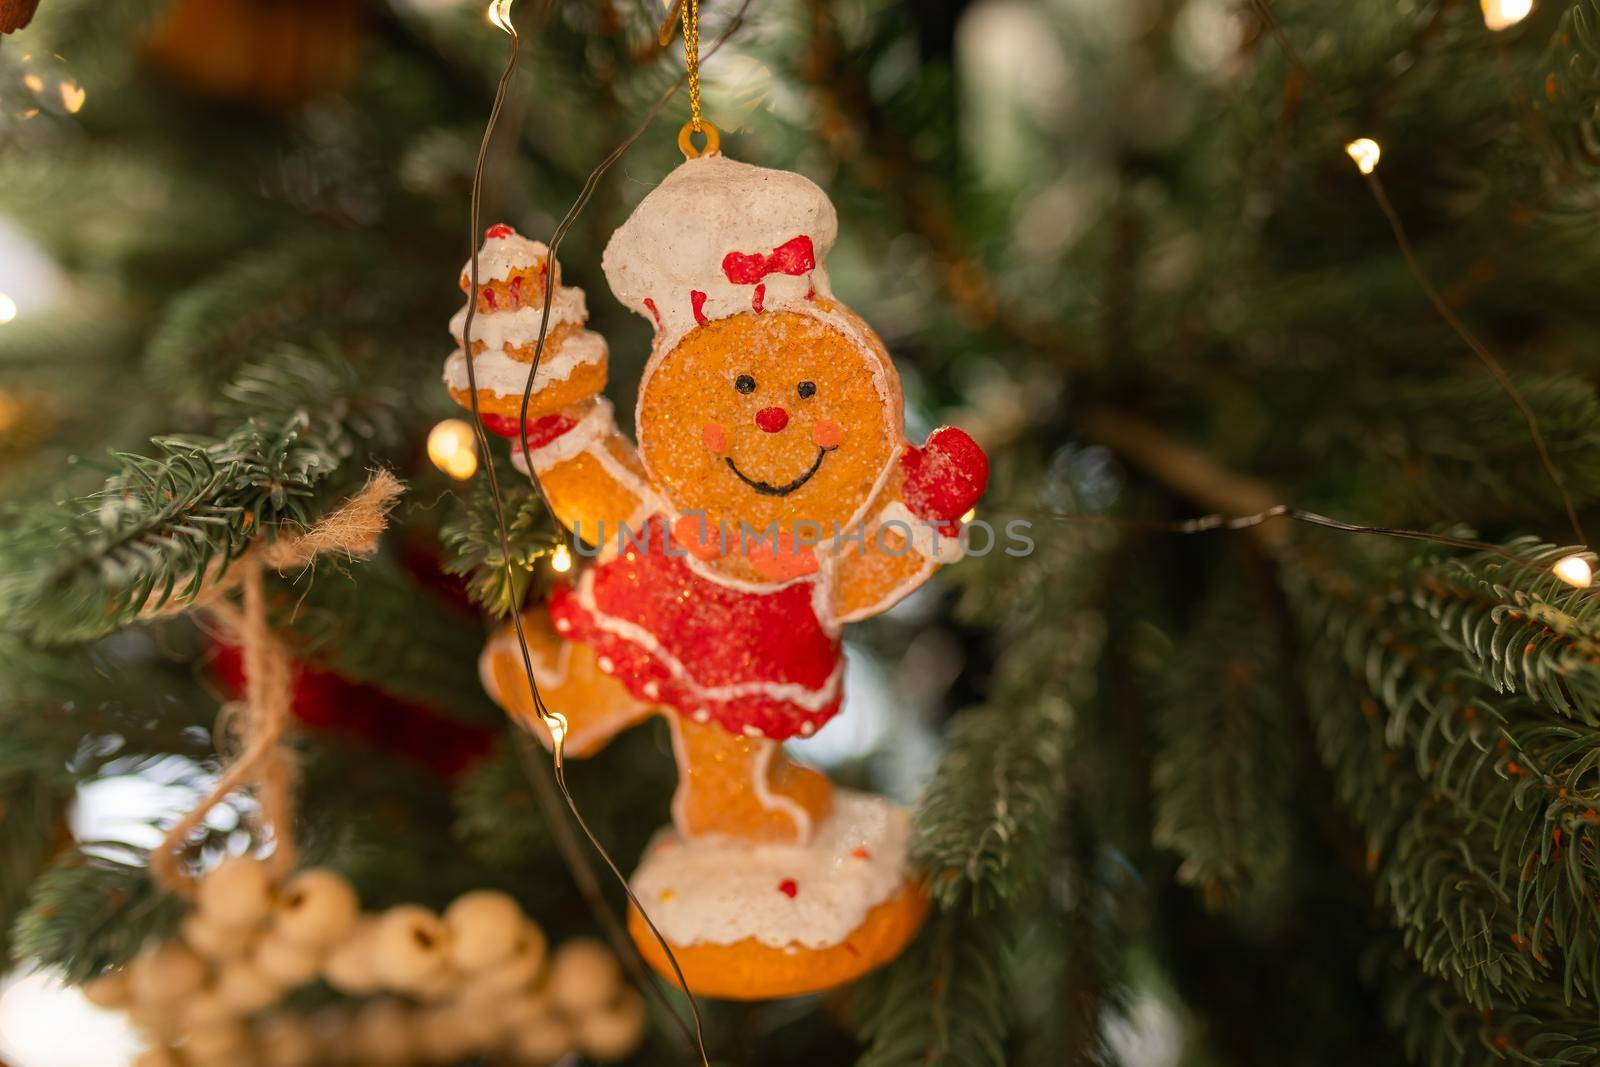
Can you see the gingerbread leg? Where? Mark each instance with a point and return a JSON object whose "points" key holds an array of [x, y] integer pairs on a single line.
{"points": [[596, 705], [743, 788]]}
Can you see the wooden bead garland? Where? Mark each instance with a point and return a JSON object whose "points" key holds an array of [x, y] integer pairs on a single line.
{"points": [[425, 989]]}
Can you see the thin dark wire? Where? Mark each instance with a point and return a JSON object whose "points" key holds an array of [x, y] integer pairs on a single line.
{"points": [[1414, 266], [589, 187], [1217, 521], [574, 858]]}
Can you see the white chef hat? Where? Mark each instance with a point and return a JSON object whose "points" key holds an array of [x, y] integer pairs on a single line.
{"points": [[718, 237]]}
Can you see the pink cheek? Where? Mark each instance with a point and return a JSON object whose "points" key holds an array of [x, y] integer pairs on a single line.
{"points": [[826, 433], [714, 437]]}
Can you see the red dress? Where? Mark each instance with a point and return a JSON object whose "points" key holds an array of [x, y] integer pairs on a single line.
{"points": [[756, 660]]}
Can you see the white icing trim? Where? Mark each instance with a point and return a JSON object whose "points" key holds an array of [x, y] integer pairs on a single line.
{"points": [[803, 828], [504, 643], [519, 327], [764, 795], [498, 373], [930, 543], [499, 256], [595, 425]]}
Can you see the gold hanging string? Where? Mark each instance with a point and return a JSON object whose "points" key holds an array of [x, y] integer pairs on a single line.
{"points": [[690, 11], [257, 723]]}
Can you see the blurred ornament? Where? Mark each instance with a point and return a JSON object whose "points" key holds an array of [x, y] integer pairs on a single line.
{"points": [[1503, 14], [1366, 152], [453, 448], [325, 701], [272, 53], [423, 982], [15, 14]]}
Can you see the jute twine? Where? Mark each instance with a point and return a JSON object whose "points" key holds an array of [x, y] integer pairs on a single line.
{"points": [[235, 601]]}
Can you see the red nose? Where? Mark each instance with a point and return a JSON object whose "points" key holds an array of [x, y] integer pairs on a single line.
{"points": [[772, 419]]}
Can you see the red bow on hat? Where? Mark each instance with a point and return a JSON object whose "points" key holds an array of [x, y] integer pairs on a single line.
{"points": [[794, 256]]}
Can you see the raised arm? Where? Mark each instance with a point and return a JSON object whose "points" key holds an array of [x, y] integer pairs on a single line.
{"points": [[913, 529], [587, 468]]}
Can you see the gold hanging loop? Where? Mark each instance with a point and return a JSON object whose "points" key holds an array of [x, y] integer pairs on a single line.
{"points": [[686, 140]]}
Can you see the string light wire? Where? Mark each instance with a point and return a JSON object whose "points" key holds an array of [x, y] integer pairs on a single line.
{"points": [[1414, 266], [499, 14]]}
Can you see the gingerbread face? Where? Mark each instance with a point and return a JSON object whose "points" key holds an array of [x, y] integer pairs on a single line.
{"points": [[769, 417]]}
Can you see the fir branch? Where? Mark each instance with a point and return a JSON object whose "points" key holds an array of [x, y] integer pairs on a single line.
{"points": [[1481, 809], [81, 569], [1221, 784], [472, 540], [994, 804], [304, 288], [943, 1003], [1440, 1029], [91, 913], [32, 823], [1520, 627]]}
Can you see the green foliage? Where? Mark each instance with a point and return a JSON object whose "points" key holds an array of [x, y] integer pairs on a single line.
{"points": [[992, 808], [1518, 626], [1221, 785], [1572, 88], [944, 1003], [91, 913], [472, 540], [165, 523], [1477, 805]]}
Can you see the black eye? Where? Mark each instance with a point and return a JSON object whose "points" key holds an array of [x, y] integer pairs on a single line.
{"points": [[807, 390], [745, 384]]}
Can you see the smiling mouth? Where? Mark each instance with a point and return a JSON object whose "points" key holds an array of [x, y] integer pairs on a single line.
{"points": [[767, 488]]}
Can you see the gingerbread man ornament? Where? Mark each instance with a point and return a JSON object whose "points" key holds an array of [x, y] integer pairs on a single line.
{"points": [[772, 499]]}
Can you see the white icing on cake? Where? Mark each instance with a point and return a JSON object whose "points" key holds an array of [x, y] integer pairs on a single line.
{"points": [[721, 892], [675, 241], [501, 375], [517, 327], [499, 256]]}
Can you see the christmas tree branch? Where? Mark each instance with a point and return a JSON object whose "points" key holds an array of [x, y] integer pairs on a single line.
{"points": [[78, 570]]}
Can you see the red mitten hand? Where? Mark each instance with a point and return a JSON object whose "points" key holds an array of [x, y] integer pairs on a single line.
{"points": [[946, 476]]}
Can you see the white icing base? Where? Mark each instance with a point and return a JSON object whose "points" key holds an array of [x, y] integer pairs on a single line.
{"points": [[722, 892], [501, 375], [519, 327]]}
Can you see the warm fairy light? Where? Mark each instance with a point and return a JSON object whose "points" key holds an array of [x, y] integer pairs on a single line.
{"points": [[971, 514], [1503, 14], [1574, 570], [454, 449], [8, 309], [1365, 151], [72, 97], [500, 16], [561, 560], [33, 82]]}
